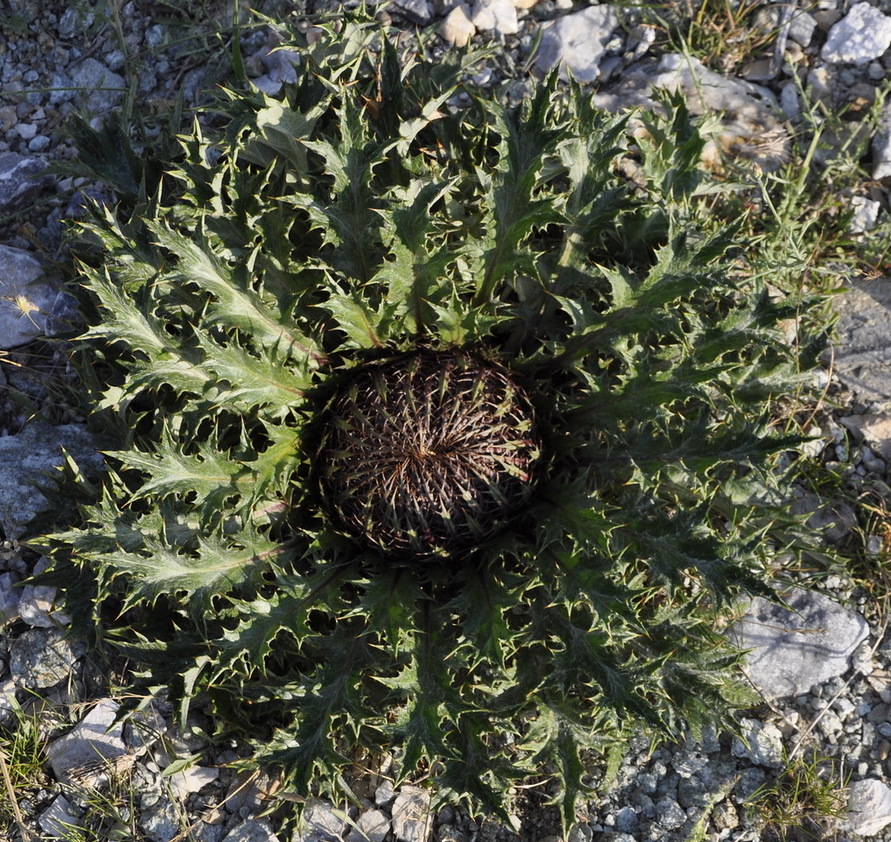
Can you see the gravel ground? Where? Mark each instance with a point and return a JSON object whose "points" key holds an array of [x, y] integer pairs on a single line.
{"points": [[61, 58]]}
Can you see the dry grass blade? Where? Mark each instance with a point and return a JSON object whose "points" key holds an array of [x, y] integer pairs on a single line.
{"points": [[27, 835]]}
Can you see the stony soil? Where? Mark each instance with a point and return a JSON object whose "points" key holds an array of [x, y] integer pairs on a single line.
{"points": [[59, 59]]}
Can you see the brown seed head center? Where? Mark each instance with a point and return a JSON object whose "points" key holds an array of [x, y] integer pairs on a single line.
{"points": [[429, 454]]}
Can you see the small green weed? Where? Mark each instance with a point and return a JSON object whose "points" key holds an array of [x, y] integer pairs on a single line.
{"points": [[22, 765], [802, 802], [718, 32]]}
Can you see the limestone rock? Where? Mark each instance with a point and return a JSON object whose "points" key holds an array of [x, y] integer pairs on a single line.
{"points": [[457, 28], [749, 114], [576, 43], [832, 519], [862, 356], [158, 818], [862, 35], [412, 819], [866, 214], [869, 807], [874, 429], [322, 822], [92, 749], [10, 596], [797, 647], [384, 793], [371, 826], [417, 11], [760, 742], [29, 307], [880, 146], [7, 700], [143, 728], [41, 658], [280, 68], [500, 15], [57, 820], [28, 457], [801, 27], [36, 605], [106, 88], [251, 830], [190, 780], [21, 179]]}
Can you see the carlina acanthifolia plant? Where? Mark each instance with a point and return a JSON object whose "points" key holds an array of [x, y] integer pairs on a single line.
{"points": [[438, 435]]}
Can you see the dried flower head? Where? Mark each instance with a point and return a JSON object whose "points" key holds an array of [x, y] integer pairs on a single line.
{"points": [[429, 454]]}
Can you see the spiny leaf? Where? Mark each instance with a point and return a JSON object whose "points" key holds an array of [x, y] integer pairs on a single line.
{"points": [[512, 211], [161, 567]]}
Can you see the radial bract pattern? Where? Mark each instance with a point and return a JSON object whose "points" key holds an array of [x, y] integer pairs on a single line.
{"points": [[428, 454]]}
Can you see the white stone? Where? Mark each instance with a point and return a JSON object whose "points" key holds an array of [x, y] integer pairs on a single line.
{"points": [[36, 606], [576, 43], [417, 11], [8, 702], [862, 35], [790, 102], [189, 780], [371, 826], [92, 749], [844, 707], [866, 214], [159, 818], [801, 27], [41, 658], [57, 820], [26, 130], [869, 807], [832, 519], [500, 15], [861, 356], [106, 88], [760, 742], [21, 178], [412, 818], [457, 28], [29, 305], [384, 793], [251, 830], [793, 649], [33, 451], [10, 597], [321, 820], [874, 429], [749, 125]]}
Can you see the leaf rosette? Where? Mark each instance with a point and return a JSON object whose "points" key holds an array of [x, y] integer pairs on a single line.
{"points": [[437, 432]]}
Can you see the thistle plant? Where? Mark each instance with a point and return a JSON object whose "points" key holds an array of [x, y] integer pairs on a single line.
{"points": [[436, 433]]}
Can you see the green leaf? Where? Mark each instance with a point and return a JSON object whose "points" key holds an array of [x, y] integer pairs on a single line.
{"points": [[161, 566], [512, 210], [243, 381], [348, 218], [209, 474], [364, 327]]}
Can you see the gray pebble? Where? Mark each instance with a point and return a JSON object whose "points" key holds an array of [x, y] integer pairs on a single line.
{"points": [[41, 658], [159, 820], [39, 143], [252, 830], [670, 815], [627, 820]]}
